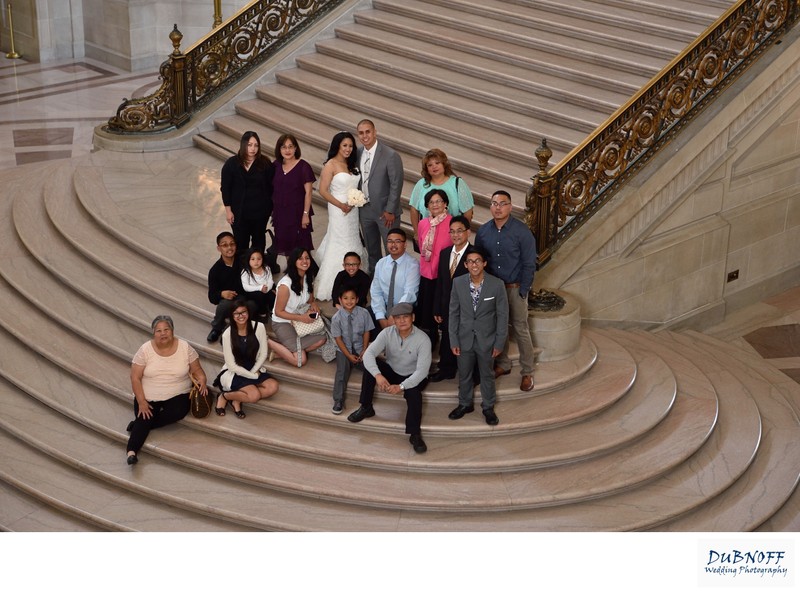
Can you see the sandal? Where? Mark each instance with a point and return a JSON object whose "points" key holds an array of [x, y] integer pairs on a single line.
{"points": [[221, 410], [240, 414]]}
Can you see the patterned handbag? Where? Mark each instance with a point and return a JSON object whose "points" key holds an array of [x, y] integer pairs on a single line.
{"points": [[201, 404]]}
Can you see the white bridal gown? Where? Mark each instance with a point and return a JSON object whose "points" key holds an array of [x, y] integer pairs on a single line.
{"points": [[342, 236]]}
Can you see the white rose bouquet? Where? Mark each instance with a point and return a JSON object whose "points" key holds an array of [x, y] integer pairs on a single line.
{"points": [[355, 198]]}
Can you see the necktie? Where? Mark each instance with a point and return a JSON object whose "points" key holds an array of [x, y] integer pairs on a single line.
{"points": [[453, 263], [391, 286], [352, 334], [365, 176]]}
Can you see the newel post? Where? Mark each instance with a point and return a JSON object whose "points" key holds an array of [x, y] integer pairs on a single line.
{"points": [[540, 203], [177, 61]]}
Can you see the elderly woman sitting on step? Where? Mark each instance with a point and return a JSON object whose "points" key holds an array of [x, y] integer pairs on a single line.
{"points": [[161, 383], [243, 377]]}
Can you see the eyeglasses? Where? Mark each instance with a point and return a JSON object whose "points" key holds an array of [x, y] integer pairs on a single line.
{"points": [[226, 245], [436, 201], [457, 231], [352, 264], [473, 261], [240, 313], [500, 204], [397, 241]]}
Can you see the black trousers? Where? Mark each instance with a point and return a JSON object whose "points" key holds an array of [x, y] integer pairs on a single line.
{"points": [[251, 231], [413, 396], [164, 413]]}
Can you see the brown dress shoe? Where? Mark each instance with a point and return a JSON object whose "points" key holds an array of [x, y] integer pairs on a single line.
{"points": [[527, 383], [498, 372]]}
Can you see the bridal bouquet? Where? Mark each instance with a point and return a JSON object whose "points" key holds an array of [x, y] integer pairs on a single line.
{"points": [[355, 198]]}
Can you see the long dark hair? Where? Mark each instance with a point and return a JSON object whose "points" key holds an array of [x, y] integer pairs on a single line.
{"points": [[243, 356], [336, 143], [261, 161], [291, 271]]}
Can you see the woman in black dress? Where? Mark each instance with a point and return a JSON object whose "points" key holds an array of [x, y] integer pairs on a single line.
{"points": [[247, 193]]}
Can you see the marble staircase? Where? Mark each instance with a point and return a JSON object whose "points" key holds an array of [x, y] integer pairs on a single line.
{"points": [[636, 431], [484, 81]]}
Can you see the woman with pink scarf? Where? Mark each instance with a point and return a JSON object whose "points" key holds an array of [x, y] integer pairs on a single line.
{"points": [[433, 234]]}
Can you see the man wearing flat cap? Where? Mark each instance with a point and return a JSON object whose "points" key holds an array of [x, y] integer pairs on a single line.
{"points": [[407, 353]]}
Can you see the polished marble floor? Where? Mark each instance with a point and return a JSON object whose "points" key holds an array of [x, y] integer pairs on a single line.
{"points": [[49, 111]]}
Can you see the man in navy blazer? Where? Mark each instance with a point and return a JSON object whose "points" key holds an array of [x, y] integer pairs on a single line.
{"points": [[382, 183], [451, 258], [478, 332]]}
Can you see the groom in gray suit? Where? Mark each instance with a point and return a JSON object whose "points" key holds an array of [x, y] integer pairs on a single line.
{"points": [[382, 183], [478, 326]]}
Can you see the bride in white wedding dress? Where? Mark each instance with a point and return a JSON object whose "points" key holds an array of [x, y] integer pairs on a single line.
{"points": [[339, 175]]}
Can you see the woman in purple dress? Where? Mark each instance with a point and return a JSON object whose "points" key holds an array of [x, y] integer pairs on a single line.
{"points": [[291, 196]]}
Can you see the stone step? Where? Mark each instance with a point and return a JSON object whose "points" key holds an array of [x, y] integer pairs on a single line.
{"points": [[40, 469], [590, 35], [110, 257], [71, 271], [22, 511], [628, 16], [764, 488], [433, 87], [731, 445], [578, 52], [92, 184], [788, 388], [468, 44], [275, 471], [700, 12], [480, 77], [435, 113]]}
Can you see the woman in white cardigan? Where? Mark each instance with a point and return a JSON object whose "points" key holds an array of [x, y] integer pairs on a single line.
{"points": [[243, 377]]}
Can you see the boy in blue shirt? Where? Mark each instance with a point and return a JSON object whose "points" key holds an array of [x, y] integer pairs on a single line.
{"points": [[350, 327]]}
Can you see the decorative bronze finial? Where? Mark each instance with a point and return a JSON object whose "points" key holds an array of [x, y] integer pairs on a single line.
{"points": [[543, 154], [176, 36]]}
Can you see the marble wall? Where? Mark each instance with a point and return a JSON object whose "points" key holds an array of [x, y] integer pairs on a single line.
{"points": [[25, 28], [723, 198], [128, 34]]}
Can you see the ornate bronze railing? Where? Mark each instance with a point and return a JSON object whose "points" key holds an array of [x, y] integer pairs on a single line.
{"points": [[562, 199], [215, 63]]}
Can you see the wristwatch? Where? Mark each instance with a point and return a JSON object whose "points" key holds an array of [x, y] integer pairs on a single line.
{"points": [[402, 388]]}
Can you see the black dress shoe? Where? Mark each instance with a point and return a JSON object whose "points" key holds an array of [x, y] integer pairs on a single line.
{"points": [[361, 413], [491, 417], [213, 336], [440, 376], [418, 443], [133, 459], [460, 411]]}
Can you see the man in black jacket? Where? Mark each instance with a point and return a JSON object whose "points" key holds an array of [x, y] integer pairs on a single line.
{"points": [[225, 284], [451, 265]]}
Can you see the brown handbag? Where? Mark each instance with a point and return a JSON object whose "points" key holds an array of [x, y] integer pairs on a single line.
{"points": [[201, 404]]}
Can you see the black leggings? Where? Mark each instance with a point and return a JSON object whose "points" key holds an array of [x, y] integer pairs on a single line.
{"points": [[164, 413]]}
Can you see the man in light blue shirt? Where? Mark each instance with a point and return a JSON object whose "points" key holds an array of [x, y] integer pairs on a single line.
{"points": [[396, 279]]}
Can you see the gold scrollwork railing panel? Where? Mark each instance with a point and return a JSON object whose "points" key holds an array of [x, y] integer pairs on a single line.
{"points": [[193, 79], [562, 199]]}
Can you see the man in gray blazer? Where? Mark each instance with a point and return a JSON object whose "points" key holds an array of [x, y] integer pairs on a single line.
{"points": [[478, 326], [382, 183]]}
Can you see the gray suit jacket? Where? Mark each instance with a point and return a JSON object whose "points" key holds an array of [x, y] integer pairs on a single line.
{"points": [[385, 182], [487, 326]]}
